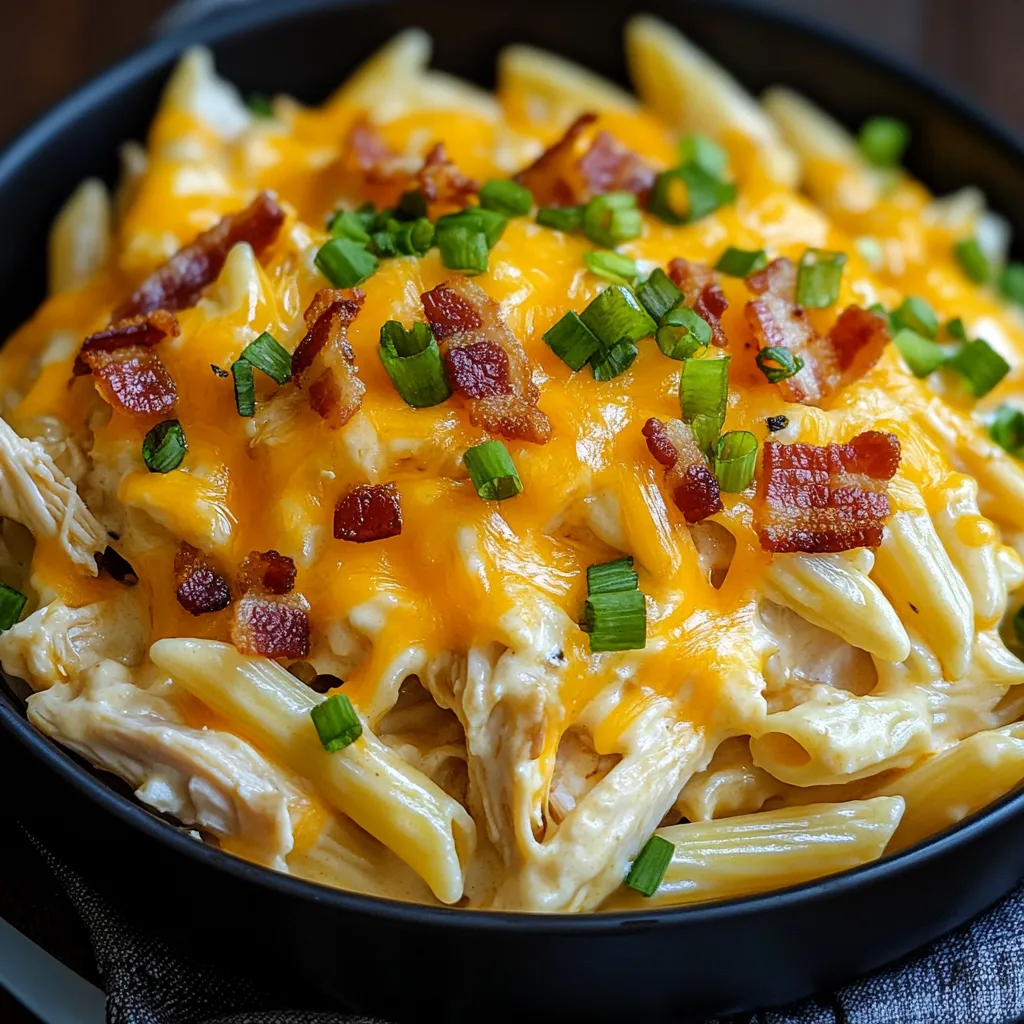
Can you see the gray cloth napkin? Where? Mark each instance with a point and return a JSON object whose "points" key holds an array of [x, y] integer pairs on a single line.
{"points": [[973, 976]]}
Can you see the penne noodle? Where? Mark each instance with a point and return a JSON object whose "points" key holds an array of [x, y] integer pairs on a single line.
{"points": [[80, 237]]}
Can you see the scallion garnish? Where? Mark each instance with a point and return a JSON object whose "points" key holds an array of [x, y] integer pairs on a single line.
{"points": [[492, 471], [688, 193], [612, 266], [464, 248], [413, 362], [508, 198], [1007, 429], [973, 261], [616, 621], [260, 105], [817, 282], [921, 355], [615, 315], [164, 447], [267, 354], [956, 330], [561, 218], [735, 459], [741, 262], [414, 237], [980, 366], [382, 243], [1011, 282], [915, 314], [572, 341], [245, 389], [345, 263], [658, 294], [706, 154], [348, 224], [682, 332], [411, 206], [704, 390], [336, 721], [778, 363], [650, 866], [612, 218], [11, 604], [613, 362], [608, 577], [883, 140]]}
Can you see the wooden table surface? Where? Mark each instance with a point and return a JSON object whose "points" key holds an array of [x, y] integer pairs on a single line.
{"points": [[49, 46]]}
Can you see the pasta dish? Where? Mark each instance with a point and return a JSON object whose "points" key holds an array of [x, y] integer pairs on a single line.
{"points": [[550, 500]]}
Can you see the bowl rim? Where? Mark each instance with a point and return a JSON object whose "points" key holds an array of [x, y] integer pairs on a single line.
{"points": [[208, 31]]}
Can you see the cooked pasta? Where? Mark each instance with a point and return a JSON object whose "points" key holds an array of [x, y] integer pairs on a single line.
{"points": [[553, 500]]}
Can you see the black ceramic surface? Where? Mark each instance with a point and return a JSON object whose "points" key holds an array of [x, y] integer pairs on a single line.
{"points": [[418, 963]]}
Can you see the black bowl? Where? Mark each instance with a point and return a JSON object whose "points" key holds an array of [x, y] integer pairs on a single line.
{"points": [[421, 962]]}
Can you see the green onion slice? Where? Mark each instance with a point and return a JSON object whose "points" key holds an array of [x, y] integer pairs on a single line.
{"points": [[336, 721], [1007, 429], [612, 218], [349, 224], [164, 447], [980, 366], [245, 389], [615, 315], [572, 341], [817, 282], [614, 361], [492, 471], [649, 868], [778, 363], [704, 389], [658, 294], [705, 429], [610, 577], [921, 355], [476, 218], [883, 140], [704, 153], [414, 238], [411, 206], [915, 314], [616, 621], [612, 266], [1011, 282], [464, 248], [973, 261], [682, 332], [413, 362], [741, 262], [735, 459], [688, 193], [956, 330], [11, 604], [561, 218], [508, 198], [345, 263], [267, 354]]}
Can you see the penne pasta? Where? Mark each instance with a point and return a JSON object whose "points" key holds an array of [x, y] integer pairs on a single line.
{"points": [[80, 237]]}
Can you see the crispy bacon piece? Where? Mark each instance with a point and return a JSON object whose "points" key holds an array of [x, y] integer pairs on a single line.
{"points": [[275, 629], [699, 285], [368, 513], [441, 182], [267, 572], [815, 498], [694, 487], [369, 154], [199, 587], [485, 361], [323, 364], [179, 283], [571, 172], [850, 349], [147, 331]]}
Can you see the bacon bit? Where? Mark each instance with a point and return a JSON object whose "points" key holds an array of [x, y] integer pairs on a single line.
{"points": [[485, 361], [268, 572], [323, 364], [146, 331], [200, 588], [566, 174], [132, 379], [179, 283], [368, 513], [441, 182], [275, 629], [851, 348], [694, 487], [828, 498], [369, 154], [699, 285]]}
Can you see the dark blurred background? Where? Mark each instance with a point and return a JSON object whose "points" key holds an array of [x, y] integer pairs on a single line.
{"points": [[49, 46]]}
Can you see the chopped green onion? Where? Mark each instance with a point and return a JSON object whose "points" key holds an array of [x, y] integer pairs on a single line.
{"points": [[879, 310], [778, 363], [414, 237], [382, 243], [464, 248], [612, 218], [1011, 282], [956, 330], [413, 362], [380, 220], [980, 366], [1007, 429], [612, 266], [561, 218], [11, 604], [973, 262], [260, 105], [609, 577], [1018, 625], [871, 251], [345, 263], [572, 341], [915, 314], [336, 721], [682, 332], [688, 193], [735, 459], [492, 224], [412, 205], [508, 198], [348, 224], [616, 621], [164, 447], [267, 354], [883, 140], [649, 868], [245, 389], [492, 471], [921, 355], [741, 262], [614, 361], [615, 315], [704, 389], [817, 282], [705, 429], [706, 154], [658, 294]]}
